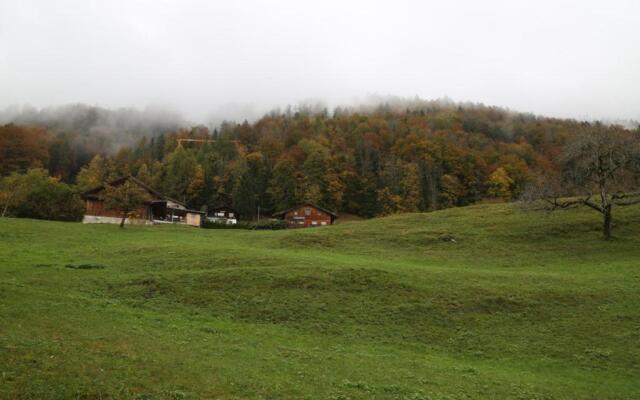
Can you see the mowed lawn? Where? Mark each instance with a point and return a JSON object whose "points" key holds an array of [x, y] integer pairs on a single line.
{"points": [[483, 302]]}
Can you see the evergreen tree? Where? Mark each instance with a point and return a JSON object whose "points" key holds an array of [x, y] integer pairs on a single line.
{"points": [[157, 147], [195, 190], [179, 170], [315, 170], [284, 186], [62, 158], [93, 175], [144, 175], [250, 191], [244, 196]]}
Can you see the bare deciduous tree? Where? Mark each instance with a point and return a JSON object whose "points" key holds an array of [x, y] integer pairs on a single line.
{"points": [[600, 169], [125, 198]]}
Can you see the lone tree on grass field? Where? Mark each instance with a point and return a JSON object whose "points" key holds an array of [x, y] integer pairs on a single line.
{"points": [[600, 169], [124, 198]]}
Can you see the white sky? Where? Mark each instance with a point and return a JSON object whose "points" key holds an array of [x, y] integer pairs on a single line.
{"points": [[554, 57]]}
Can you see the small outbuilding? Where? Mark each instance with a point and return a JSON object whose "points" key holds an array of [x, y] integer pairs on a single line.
{"points": [[158, 210], [223, 215], [306, 215]]}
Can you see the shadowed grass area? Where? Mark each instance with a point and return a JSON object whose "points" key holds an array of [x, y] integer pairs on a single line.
{"points": [[490, 301]]}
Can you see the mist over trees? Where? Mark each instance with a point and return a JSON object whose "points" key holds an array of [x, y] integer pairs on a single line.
{"points": [[369, 160], [76, 132], [116, 127]]}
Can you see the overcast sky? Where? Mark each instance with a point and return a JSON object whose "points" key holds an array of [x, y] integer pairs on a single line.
{"points": [[576, 59]]}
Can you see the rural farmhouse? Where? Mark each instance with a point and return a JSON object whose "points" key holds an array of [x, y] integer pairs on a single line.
{"points": [[306, 215], [160, 209]]}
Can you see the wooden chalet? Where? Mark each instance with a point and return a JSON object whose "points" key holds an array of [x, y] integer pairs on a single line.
{"points": [[306, 215], [160, 209]]}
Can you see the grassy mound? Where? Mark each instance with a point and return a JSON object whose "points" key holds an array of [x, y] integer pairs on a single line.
{"points": [[489, 301]]}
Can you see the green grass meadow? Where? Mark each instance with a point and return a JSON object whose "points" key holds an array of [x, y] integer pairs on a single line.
{"points": [[483, 302]]}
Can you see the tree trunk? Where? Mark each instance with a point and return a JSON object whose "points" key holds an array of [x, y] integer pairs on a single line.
{"points": [[6, 205], [606, 227], [124, 218]]}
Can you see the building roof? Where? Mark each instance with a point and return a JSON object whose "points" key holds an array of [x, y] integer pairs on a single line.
{"points": [[93, 193], [179, 211], [283, 212]]}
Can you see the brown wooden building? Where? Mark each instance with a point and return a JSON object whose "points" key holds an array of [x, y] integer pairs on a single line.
{"points": [[160, 209], [306, 215]]}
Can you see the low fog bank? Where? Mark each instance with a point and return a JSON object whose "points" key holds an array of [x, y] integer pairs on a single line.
{"points": [[238, 112], [124, 126], [120, 126]]}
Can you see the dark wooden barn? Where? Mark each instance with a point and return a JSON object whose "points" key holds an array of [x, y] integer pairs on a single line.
{"points": [[306, 215], [160, 209]]}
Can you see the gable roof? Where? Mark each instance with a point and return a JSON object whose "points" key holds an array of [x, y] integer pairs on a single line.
{"points": [[93, 193], [279, 213]]}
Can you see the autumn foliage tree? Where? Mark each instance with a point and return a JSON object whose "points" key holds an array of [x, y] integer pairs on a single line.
{"points": [[285, 185], [22, 148], [500, 184], [99, 171]]}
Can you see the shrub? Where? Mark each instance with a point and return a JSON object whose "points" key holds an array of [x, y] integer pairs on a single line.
{"points": [[269, 224], [38, 195], [263, 224], [222, 225]]}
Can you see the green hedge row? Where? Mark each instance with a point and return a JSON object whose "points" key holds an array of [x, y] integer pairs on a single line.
{"points": [[263, 224]]}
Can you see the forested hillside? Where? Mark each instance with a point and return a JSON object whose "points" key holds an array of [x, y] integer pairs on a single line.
{"points": [[414, 156]]}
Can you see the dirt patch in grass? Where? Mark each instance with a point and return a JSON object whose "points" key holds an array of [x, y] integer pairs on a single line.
{"points": [[85, 266]]}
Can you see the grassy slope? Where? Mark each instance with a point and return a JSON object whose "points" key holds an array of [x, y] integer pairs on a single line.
{"points": [[518, 305]]}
